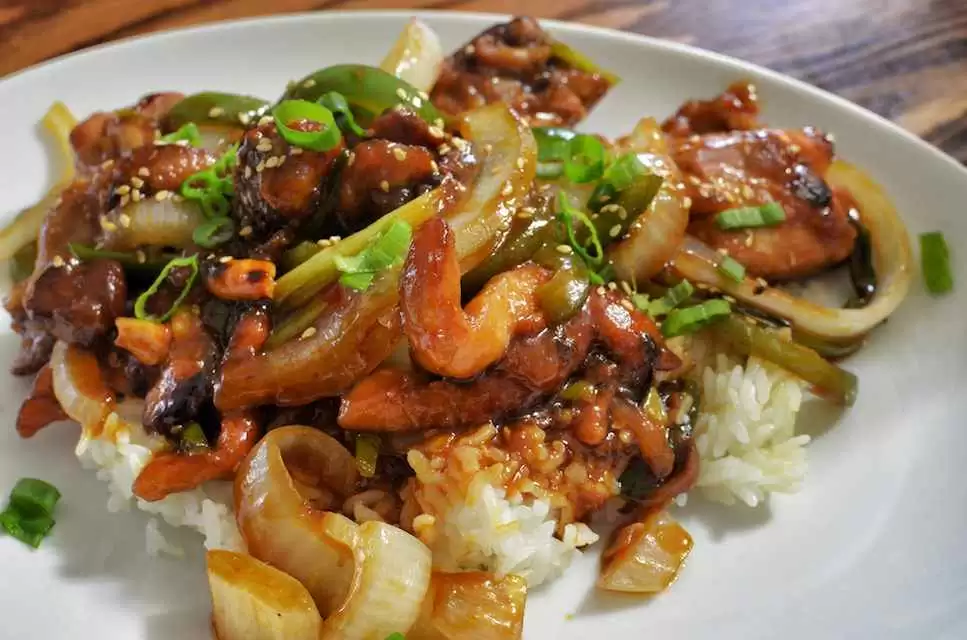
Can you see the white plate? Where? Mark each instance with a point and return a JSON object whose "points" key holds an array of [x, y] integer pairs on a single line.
{"points": [[873, 547]]}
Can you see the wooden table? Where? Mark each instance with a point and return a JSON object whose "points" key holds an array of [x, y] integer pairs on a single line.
{"points": [[904, 59]]}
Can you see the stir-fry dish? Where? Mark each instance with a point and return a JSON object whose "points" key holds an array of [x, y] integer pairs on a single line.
{"points": [[400, 341]]}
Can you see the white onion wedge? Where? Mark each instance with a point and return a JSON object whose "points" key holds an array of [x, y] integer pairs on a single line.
{"points": [[80, 387], [253, 601], [416, 56], [279, 523], [165, 223], [471, 605], [645, 556], [389, 589]]}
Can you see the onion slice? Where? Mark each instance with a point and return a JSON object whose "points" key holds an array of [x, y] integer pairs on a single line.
{"points": [[892, 260], [253, 601], [165, 223], [508, 155], [471, 605], [281, 526], [80, 387], [416, 56], [391, 584], [645, 557]]}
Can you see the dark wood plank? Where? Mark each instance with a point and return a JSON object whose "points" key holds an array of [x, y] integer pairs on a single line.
{"points": [[904, 59]]}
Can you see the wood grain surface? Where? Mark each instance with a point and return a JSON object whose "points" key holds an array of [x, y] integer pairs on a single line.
{"points": [[904, 59]]}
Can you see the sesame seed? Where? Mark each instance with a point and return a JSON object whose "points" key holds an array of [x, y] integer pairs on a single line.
{"points": [[384, 186], [125, 220], [626, 303], [271, 162], [308, 84], [423, 94], [747, 192], [264, 120], [351, 159], [399, 153], [136, 195], [282, 160], [613, 285], [438, 123], [244, 118], [795, 148], [565, 249], [609, 208], [524, 214], [615, 231], [470, 49], [436, 132], [687, 202], [830, 138], [122, 190], [323, 242], [488, 147], [694, 180], [215, 112], [520, 163], [225, 259], [106, 224], [722, 251], [626, 287], [417, 101], [140, 256], [57, 261], [143, 172], [401, 93], [601, 290], [107, 164], [434, 166], [507, 190], [264, 145], [748, 238], [248, 171], [246, 231], [260, 167], [125, 199], [162, 195], [137, 182], [308, 333], [177, 198], [335, 239], [443, 149]]}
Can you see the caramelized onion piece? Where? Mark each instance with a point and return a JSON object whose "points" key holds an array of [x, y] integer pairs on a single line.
{"points": [[645, 557], [471, 605]]}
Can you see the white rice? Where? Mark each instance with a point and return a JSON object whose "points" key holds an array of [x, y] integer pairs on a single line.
{"points": [[120, 453], [486, 531], [745, 432]]}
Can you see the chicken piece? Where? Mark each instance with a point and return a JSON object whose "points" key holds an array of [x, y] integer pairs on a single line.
{"points": [[737, 109], [514, 63], [277, 184], [750, 168]]}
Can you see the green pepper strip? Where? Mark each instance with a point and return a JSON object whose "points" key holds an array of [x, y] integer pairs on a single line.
{"points": [[336, 102], [130, 260], [212, 107], [368, 90], [577, 60], [289, 111], [828, 380]]}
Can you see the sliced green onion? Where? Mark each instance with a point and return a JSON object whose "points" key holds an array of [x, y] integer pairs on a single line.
{"points": [[586, 159], [367, 452], [131, 260], [396, 635], [549, 170], [212, 187], [139, 305], [193, 439], [336, 102], [624, 171], [188, 132], [553, 143], [672, 298], [34, 497], [935, 263], [29, 530], [731, 269], [765, 215], [690, 319], [214, 232], [385, 251], [292, 110], [570, 215], [583, 390]]}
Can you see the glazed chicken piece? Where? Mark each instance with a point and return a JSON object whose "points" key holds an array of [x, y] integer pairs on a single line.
{"points": [[514, 63], [749, 168], [729, 161]]}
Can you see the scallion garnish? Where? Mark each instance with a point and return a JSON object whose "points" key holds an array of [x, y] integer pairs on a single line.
{"points": [[34, 497], [935, 263], [188, 132], [691, 319], [336, 102], [389, 249], [765, 215], [130, 259], [731, 269], [213, 232], [618, 176], [29, 516], [212, 187], [367, 452], [573, 218], [141, 313], [586, 159], [289, 111], [672, 298], [549, 170], [396, 635], [553, 143], [193, 439]]}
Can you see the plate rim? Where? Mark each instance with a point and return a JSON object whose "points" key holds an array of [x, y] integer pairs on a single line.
{"points": [[78, 57]]}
